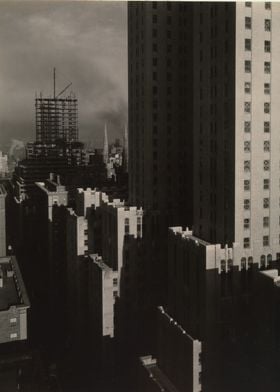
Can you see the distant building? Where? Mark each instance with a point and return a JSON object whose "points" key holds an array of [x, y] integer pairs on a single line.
{"points": [[14, 302], [3, 245], [4, 170]]}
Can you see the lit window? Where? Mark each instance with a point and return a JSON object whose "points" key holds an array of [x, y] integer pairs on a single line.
{"points": [[265, 221], [265, 240], [267, 5], [266, 145], [247, 44], [266, 126], [247, 126], [267, 107], [267, 46], [248, 22], [247, 166], [267, 67], [267, 88], [13, 320], [247, 87], [246, 223], [13, 335], [247, 66], [266, 202], [247, 146], [246, 185], [266, 183], [267, 24], [246, 242], [246, 204], [247, 107]]}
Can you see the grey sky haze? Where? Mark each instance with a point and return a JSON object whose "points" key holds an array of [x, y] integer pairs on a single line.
{"points": [[85, 41]]}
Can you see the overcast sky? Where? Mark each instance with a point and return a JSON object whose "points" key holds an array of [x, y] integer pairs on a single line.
{"points": [[85, 41]]}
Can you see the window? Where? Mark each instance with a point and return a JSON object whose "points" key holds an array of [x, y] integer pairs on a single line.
{"points": [[265, 240], [246, 204], [266, 202], [267, 88], [13, 320], [267, 67], [246, 223], [267, 5], [267, 107], [266, 183], [247, 44], [115, 293], [247, 65], [154, 18], [246, 185], [248, 22], [277, 256], [250, 261], [266, 165], [266, 145], [262, 261], [247, 87], [248, 4], [266, 126], [267, 24], [115, 281], [247, 107], [243, 263], [247, 146], [230, 264], [223, 265], [13, 335], [154, 62], [267, 46], [246, 242], [247, 126], [246, 166], [265, 221], [126, 226]]}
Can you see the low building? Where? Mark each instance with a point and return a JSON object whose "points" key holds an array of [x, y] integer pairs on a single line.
{"points": [[14, 302]]}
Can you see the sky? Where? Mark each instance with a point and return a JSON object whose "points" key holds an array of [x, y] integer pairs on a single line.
{"points": [[86, 41]]}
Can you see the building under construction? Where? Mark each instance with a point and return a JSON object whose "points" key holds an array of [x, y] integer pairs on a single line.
{"points": [[57, 117]]}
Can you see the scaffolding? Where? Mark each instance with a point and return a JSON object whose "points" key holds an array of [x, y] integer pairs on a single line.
{"points": [[57, 118]]}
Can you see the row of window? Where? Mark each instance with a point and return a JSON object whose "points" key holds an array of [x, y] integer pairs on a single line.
{"points": [[247, 126], [247, 107], [247, 165], [248, 66], [247, 88], [266, 146], [246, 241], [246, 222], [266, 184], [247, 203], [267, 4], [248, 45], [248, 24]]}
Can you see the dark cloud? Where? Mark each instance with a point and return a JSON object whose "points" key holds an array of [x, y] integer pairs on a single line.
{"points": [[85, 41]]}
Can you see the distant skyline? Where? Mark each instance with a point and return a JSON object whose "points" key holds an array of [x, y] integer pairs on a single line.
{"points": [[86, 41]]}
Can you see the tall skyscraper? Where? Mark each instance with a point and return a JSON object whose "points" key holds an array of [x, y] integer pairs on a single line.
{"points": [[160, 102], [213, 270]]}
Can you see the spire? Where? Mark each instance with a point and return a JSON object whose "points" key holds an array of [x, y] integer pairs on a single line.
{"points": [[125, 149], [105, 145]]}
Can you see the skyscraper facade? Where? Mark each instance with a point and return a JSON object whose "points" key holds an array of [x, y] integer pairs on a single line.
{"points": [[160, 137]]}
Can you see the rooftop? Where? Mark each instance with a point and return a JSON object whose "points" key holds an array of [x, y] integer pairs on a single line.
{"points": [[12, 288], [157, 376]]}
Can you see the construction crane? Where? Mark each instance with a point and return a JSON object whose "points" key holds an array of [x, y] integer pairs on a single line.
{"points": [[62, 91]]}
